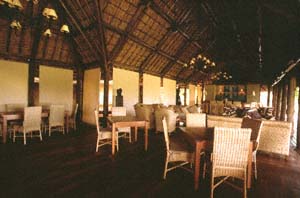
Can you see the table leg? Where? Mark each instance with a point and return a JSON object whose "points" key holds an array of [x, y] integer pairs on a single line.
{"points": [[4, 130], [199, 147], [135, 133], [146, 136], [113, 139], [249, 165], [67, 123]]}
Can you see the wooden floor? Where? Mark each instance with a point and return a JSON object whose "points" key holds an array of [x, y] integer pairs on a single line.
{"points": [[67, 166]]}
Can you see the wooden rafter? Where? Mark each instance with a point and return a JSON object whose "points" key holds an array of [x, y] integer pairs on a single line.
{"points": [[157, 47], [24, 28], [92, 47], [157, 9], [101, 32], [140, 11], [141, 42], [179, 51]]}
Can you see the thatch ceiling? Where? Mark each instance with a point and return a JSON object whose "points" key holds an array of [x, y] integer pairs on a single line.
{"points": [[251, 40]]}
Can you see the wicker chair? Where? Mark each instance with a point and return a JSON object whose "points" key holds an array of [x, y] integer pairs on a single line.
{"points": [[275, 137], [196, 120], [121, 111], [72, 121], [14, 108], [104, 136], [230, 155], [57, 118], [222, 121], [170, 116], [255, 126], [177, 151], [32, 123]]}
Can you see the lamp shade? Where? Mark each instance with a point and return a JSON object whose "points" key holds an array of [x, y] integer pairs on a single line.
{"points": [[15, 25], [48, 32], [50, 13], [65, 28]]}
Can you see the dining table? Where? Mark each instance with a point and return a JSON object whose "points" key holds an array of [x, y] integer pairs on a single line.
{"points": [[127, 121], [202, 139], [6, 117]]}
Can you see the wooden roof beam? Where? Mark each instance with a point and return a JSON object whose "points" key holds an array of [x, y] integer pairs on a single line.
{"points": [[96, 53], [179, 52], [169, 20], [140, 42], [101, 32], [152, 53], [140, 11]]}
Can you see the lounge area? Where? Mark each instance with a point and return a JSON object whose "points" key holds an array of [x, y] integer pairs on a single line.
{"points": [[149, 98]]}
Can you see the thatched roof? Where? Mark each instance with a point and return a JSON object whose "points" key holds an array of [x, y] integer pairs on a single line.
{"points": [[251, 40]]}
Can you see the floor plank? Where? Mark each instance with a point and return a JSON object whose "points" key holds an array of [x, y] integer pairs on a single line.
{"points": [[67, 166]]}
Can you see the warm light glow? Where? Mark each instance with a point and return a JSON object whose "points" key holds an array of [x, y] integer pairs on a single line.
{"points": [[48, 33], [65, 28], [50, 13], [15, 25]]}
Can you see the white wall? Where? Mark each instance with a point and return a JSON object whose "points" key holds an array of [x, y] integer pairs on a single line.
{"points": [[56, 86], [90, 94], [192, 94], [129, 82], [13, 83], [151, 89], [169, 92]]}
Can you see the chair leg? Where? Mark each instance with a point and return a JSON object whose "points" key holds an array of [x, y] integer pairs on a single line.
{"points": [[255, 166], [212, 185], [245, 184], [41, 136], [49, 130], [24, 134], [166, 166], [97, 143], [117, 141]]}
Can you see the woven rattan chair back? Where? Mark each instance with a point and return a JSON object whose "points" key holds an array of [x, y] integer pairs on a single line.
{"points": [[196, 120], [32, 118], [57, 115]]}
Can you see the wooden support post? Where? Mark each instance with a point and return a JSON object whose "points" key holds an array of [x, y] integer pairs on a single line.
{"points": [[278, 101], [298, 124], [79, 91], [106, 74], [269, 93], [274, 99], [32, 67], [202, 90], [283, 101], [141, 87], [291, 100], [185, 94]]}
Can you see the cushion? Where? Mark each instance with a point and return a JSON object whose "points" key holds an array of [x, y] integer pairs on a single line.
{"points": [[192, 109]]}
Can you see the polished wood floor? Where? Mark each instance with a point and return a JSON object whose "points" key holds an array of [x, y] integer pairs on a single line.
{"points": [[67, 166]]}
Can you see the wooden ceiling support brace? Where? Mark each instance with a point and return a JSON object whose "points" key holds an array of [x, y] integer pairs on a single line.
{"points": [[33, 63], [139, 13], [91, 47], [108, 68], [140, 42], [169, 20], [152, 53], [24, 28], [178, 53]]}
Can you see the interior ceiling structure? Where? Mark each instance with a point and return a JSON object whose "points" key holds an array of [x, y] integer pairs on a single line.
{"points": [[253, 41]]}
